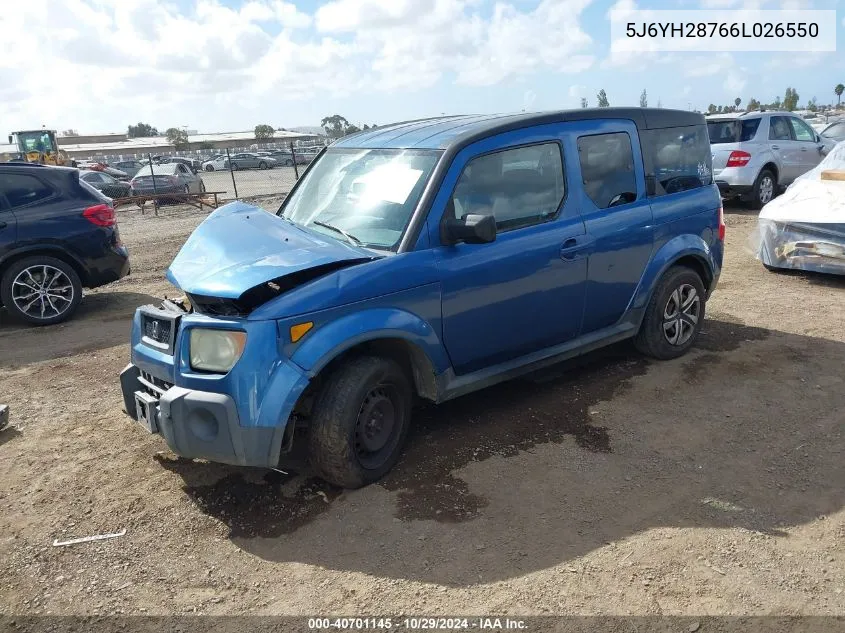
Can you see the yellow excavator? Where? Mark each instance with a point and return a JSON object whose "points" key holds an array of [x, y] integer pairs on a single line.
{"points": [[39, 146]]}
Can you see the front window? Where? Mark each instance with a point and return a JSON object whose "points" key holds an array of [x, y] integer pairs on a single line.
{"points": [[35, 142], [366, 196]]}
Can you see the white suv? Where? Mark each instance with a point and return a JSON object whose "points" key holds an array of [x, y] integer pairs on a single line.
{"points": [[756, 154]]}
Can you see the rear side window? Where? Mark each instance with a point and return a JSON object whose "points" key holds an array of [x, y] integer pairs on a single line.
{"points": [[680, 158], [779, 129], [607, 168], [21, 189], [519, 187], [749, 129]]}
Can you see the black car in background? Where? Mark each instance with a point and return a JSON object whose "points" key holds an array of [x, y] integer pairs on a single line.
{"points": [[111, 187], [58, 235]]}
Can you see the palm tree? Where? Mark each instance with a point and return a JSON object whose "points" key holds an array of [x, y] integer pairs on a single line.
{"points": [[839, 90]]}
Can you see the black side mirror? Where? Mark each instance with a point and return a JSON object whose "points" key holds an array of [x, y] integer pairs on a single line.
{"points": [[650, 186], [472, 229]]}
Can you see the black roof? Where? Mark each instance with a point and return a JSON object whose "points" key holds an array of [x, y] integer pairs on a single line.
{"points": [[444, 132]]}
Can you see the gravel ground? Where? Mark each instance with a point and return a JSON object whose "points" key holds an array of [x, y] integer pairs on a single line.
{"points": [[615, 485]]}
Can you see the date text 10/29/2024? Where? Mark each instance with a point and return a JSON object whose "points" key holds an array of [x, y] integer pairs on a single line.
{"points": [[417, 624]]}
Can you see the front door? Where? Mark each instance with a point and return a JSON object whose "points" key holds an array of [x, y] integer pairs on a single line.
{"points": [[525, 291], [809, 151]]}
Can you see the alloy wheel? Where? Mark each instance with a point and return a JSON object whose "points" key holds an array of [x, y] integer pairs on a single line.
{"points": [[681, 314], [42, 292], [767, 189]]}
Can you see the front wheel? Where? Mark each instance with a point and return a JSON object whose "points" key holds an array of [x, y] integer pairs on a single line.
{"points": [[674, 315], [262, 165], [41, 290], [360, 422], [209, 168]]}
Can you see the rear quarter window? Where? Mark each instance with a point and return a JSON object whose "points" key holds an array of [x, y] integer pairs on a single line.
{"points": [[680, 158], [22, 189]]}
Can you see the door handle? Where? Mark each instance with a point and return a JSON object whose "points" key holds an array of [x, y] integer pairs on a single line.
{"points": [[803, 149], [573, 248], [775, 146]]}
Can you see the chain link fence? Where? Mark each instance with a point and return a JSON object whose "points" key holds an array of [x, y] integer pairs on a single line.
{"points": [[260, 174]]}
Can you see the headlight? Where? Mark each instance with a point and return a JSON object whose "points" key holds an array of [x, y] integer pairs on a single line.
{"points": [[216, 350]]}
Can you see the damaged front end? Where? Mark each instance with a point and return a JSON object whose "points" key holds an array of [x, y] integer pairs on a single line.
{"points": [[804, 229], [204, 375], [241, 257]]}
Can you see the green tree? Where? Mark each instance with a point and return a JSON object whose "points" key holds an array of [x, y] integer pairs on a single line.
{"points": [[790, 99], [584, 102], [737, 101], [776, 104], [142, 130], [753, 104], [644, 99], [602, 99], [719, 110], [811, 105], [351, 129], [206, 145], [335, 126], [176, 137], [264, 131], [838, 91]]}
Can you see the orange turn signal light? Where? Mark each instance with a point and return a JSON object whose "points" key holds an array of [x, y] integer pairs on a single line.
{"points": [[299, 330]]}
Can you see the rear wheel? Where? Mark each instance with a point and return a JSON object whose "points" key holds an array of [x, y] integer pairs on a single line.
{"points": [[674, 315], [209, 168], [41, 290], [360, 422], [763, 190], [262, 165]]}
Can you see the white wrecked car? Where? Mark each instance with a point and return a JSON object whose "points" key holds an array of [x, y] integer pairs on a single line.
{"points": [[804, 229]]}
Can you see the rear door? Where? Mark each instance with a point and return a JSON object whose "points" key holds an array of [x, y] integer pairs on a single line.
{"points": [[617, 215], [785, 148], [8, 223], [805, 138]]}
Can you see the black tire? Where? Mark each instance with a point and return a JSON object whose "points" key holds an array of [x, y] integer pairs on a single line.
{"points": [[365, 397], [67, 307], [209, 168], [760, 186], [262, 165], [288, 162], [654, 339]]}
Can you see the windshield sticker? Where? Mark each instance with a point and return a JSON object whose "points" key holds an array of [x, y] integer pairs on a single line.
{"points": [[387, 183]]}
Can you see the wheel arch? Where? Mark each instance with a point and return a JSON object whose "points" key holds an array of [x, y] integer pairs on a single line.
{"points": [[48, 251], [684, 250]]}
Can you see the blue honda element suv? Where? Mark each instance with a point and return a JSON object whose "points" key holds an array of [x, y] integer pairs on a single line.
{"points": [[421, 261]]}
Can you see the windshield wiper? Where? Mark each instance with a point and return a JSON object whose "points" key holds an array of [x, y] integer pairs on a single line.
{"points": [[349, 237]]}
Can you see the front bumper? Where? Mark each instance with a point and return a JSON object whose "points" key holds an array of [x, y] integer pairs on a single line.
{"points": [[199, 424]]}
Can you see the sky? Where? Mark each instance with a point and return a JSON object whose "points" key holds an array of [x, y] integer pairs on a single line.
{"points": [[97, 66]]}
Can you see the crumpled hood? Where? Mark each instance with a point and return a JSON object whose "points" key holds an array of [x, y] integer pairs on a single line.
{"points": [[240, 246]]}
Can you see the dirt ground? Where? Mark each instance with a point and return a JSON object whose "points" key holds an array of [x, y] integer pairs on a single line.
{"points": [[713, 484]]}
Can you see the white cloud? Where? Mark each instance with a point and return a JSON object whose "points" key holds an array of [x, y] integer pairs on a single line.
{"points": [[158, 59], [577, 91]]}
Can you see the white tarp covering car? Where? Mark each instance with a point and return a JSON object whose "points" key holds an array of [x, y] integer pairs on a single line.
{"points": [[804, 229]]}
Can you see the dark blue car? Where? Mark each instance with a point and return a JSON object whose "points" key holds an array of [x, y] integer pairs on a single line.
{"points": [[58, 234], [422, 261]]}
